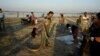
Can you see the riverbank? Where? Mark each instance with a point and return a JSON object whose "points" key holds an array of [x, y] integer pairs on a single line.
{"points": [[18, 33]]}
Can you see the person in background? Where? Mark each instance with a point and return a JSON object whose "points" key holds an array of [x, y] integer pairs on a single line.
{"points": [[33, 18], [61, 23], [61, 20], [79, 20], [35, 24], [26, 19], [92, 19], [75, 30], [2, 24], [35, 28], [84, 26], [85, 22], [94, 31], [33, 33]]}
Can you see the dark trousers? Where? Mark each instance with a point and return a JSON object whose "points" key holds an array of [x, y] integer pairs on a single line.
{"points": [[94, 48], [2, 25], [82, 46]]}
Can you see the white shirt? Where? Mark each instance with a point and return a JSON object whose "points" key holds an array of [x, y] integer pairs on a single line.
{"points": [[1, 15], [36, 21], [85, 19]]}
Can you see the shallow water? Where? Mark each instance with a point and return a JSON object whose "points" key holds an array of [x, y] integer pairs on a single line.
{"points": [[69, 40]]}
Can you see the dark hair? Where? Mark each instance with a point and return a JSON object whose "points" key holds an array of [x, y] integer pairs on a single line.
{"points": [[62, 15], [68, 25], [32, 12], [27, 15], [92, 18], [0, 9], [98, 15], [33, 33], [74, 27], [50, 12], [85, 12]]}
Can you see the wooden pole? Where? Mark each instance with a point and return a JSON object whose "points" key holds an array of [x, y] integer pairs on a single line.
{"points": [[17, 14]]}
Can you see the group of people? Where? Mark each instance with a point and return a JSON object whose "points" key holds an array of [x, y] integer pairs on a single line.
{"points": [[95, 36], [30, 19], [46, 29], [90, 28]]}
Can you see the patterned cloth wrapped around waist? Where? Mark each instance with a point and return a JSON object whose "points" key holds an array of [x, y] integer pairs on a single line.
{"points": [[49, 29]]}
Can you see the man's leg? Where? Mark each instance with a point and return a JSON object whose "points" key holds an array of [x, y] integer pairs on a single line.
{"points": [[95, 49], [0, 25], [83, 28], [83, 44], [3, 24]]}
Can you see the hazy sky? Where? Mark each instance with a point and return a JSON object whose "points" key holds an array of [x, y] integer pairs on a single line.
{"points": [[69, 6]]}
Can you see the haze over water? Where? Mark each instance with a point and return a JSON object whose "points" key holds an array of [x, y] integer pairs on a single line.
{"points": [[64, 6]]}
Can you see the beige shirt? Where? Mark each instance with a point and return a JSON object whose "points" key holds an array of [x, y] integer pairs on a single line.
{"points": [[85, 20]]}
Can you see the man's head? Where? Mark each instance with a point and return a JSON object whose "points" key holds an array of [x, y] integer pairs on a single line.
{"points": [[61, 15], [85, 13], [0, 10], [27, 15], [97, 20], [32, 12], [50, 14]]}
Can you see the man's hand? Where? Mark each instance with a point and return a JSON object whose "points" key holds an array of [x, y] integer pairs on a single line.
{"points": [[92, 38], [97, 39]]}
